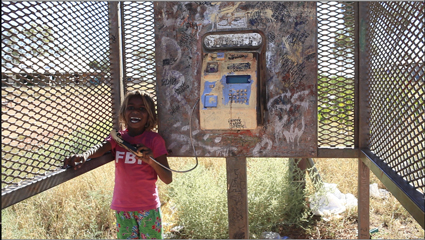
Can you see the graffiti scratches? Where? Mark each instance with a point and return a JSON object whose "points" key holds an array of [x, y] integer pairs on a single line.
{"points": [[286, 116], [169, 81], [259, 148], [239, 66], [182, 88], [236, 123], [174, 109]]}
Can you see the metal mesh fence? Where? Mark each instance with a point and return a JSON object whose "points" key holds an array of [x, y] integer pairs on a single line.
{"points": [[56, 86], [336, 79], [396, 80], [139, 47]]}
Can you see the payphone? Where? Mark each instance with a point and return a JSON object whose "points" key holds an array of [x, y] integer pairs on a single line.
{"points": [[231, 81]]}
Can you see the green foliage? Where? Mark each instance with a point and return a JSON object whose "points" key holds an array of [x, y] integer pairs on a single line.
{"points": [[273, 197], [335, 108], [200, 200], [79, 208], [27, 41]]}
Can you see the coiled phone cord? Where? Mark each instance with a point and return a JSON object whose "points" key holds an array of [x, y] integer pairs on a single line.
{"points": [[191, 142]]}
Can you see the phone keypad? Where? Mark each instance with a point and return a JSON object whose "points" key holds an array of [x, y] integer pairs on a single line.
{"points": [[238, 96]]}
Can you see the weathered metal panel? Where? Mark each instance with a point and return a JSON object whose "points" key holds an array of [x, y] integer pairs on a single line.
{"points": [[288, 72]]}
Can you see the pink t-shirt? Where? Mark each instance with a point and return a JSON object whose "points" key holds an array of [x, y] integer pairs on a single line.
{"points": [[135, 188]]}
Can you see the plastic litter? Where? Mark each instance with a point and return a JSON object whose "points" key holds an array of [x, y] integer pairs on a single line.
{"points": [[374, 230], [270, 235], [177, 229], [330, 202], [375, 192]]}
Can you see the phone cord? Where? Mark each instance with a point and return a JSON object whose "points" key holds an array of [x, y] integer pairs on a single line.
{"points": [[191, 142]]}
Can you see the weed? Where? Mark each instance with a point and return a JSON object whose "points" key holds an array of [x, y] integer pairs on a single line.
{"points": [[200, 201], [197, 201]]}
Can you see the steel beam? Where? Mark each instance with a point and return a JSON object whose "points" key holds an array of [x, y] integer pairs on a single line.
{"points": [[337, 153], [411, 199], [29, 188], [115, 56]]}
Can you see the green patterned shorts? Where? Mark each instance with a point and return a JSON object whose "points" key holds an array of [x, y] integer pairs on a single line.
{"points": [[139, 224]]}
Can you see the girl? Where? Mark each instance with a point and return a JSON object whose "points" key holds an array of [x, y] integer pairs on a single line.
{"points": [[135, 197]]}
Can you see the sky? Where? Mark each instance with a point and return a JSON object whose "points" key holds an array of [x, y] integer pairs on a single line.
{"points": [[81, 29], [78, 32]]}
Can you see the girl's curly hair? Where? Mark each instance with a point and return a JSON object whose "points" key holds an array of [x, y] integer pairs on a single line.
{"points": [[149, 104]]}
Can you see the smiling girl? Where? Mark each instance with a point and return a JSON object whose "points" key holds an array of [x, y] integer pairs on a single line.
{"points": [[135, 198]]}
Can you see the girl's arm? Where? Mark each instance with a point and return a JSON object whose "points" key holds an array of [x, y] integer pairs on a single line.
{"points": [[165, 175], [94, 152]]}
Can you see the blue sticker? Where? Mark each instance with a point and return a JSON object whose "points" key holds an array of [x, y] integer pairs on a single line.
{"points": [[210, 101], [220, 55], [208, 86]]}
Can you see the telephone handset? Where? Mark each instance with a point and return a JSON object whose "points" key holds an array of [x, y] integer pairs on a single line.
{"points": [[230, 83]]}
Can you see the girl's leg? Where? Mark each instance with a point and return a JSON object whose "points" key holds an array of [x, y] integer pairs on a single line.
{"points": [[127, 226], [150, 224]]}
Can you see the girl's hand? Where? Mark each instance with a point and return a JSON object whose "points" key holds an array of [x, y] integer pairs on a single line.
{"points": [[147, 153], [94, 152], [70, 161], [165, 175]]}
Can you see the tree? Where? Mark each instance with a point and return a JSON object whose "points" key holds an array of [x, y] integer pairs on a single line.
{"points": [[102, 64], [28, 40]]}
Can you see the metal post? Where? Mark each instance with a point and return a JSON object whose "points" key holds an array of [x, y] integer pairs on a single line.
{"points": [[237, 197], [298, 167], [363, 203], [363, 115], [115, 56]]}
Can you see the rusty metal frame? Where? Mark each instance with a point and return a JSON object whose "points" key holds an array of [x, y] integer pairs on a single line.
{"points": [[405, 193], [338, 153], [27, 188], [362, 128], [116, 44]]}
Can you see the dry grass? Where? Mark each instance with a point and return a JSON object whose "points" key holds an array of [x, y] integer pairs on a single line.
{"points": [[75, 209], [391, 219], [79, 208]]}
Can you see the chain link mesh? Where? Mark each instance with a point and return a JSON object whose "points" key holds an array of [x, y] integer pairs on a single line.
{"points": [[396, 80], [336, 80], [56, 86]]}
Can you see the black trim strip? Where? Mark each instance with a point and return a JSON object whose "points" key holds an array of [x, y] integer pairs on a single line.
{"points": [[411, 199]]}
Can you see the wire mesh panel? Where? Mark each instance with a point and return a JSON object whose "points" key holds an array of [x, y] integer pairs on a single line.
{"points": [[56, 86], [336, 79], [139, 47], [396, 79]]}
